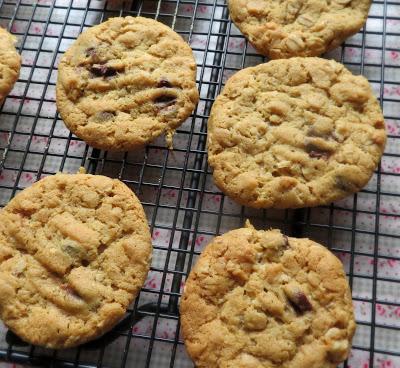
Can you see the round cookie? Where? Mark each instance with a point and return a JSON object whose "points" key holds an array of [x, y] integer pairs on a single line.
{"points": [[259, 299], [296, 132], [126, 81], [283, 29], [74, 253], [10, 63]]}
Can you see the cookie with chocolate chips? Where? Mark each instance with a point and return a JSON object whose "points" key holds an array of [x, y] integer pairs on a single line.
{"points": [[74, 253], [126, 81], [260, 299], [10, 63], [287, 28], [293, 133]]}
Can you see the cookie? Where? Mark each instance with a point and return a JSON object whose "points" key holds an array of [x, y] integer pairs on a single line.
{"points": [[126, 81], [74, 253], [10, 63], [259, 299], [296, 132], [283, 29]]}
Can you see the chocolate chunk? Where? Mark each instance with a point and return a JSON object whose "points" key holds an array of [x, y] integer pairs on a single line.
{"points": [[285, 246], [102, 70], [345, 185], [319, 154], [91, 51], [300, 302], [104, 116], [101, 248], [165, 100], [286, 242], [163, 83], [297, 298], [85, 262], [165, 104], [316, 152]]}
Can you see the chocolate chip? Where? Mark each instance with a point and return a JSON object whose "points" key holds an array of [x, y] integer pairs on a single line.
{"points": [[101, 248], [300, 302], [85, 262], [297, 298], [345, 185], [316, 152], [104, 116], [91, 51], [319, 154], [102, 70], [286, 244], [165, 100], [163, 83]]}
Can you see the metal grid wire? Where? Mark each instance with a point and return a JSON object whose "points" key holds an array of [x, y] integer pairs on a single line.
{"points": [[184, 209]]}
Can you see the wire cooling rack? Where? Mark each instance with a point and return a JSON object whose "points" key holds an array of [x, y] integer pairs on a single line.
{"points": [[184, 208]]}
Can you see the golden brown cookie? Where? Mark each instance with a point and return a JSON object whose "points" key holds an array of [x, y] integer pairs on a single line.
{"points": [[10, 63], [74, 253], [126, 81], [296, 132], [283, 29], [259, 299]]}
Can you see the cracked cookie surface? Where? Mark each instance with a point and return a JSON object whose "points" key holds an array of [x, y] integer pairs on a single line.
{"points": [[283, 29], [294, 133], [126, 81], [259, 299], [74, 253], [10, 63]]}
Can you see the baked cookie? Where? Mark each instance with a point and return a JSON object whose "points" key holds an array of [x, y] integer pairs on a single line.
{"points": [[258, 299], [74, 253], [10, 63], [293, 133], [282, 29], [124, 82]]}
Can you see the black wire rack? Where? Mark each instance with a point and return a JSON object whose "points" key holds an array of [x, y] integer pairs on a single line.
{"points": [[184, 208]]}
